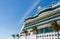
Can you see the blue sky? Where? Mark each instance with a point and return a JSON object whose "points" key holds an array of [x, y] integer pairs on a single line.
{"points": [[14, 12]]}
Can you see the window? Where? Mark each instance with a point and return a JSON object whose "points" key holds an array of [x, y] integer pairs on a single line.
{"points": [[40, 36], [59, 34], [52, 38], [49, 35], [55, 38], [52, 34], [55, 34]]}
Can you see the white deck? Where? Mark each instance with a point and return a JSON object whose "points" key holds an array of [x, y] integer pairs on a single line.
{"points": [[51, 35]]}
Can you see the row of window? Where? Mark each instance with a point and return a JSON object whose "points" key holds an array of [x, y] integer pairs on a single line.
{"points": [[50, 38], [48, 35]]}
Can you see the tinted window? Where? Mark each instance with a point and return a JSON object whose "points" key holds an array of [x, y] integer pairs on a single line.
{"points": [[55, 34], [52, 34]]}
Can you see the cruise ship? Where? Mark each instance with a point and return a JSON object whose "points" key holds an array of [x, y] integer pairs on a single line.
{"points": [[44, 25]]}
